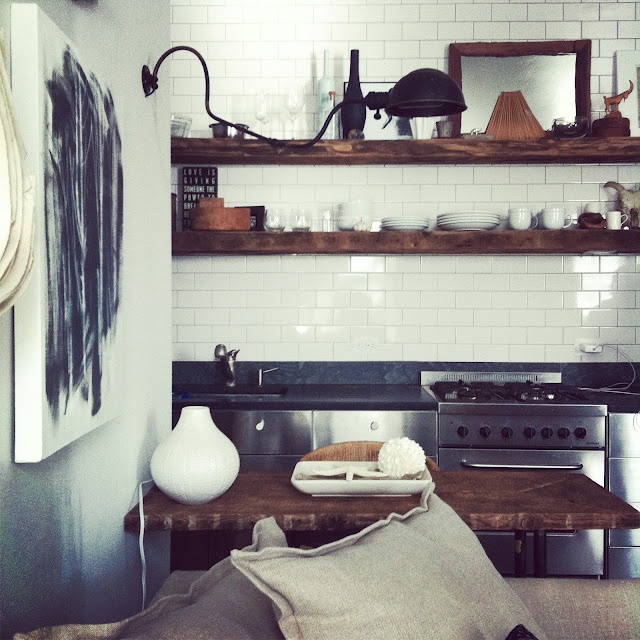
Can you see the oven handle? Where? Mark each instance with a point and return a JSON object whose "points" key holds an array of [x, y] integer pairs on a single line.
{"points": [[529, 467]]}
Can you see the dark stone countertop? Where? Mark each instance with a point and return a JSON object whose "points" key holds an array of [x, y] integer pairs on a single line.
{"points": [[378, 397], [377, 385], [627, 402], [360, 396]]}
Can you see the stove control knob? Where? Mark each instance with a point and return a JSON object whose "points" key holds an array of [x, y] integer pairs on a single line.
{"points": [[485, 431], [546, 432], [580, 433], [563, 433], [506, 432], [462, 431], [529, 432]]}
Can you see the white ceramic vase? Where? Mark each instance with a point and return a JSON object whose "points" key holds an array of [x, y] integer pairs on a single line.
{"points": [[197, 462]]}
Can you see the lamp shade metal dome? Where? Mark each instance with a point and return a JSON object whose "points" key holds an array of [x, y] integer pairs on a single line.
{"points": [[424, 93]]}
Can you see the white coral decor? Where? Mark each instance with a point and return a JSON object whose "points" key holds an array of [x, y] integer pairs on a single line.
{"points": [[401, 457]]}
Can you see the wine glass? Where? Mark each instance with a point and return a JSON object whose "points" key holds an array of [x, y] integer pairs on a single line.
{"points": [[262, 109], [275, 220], [301, 219], [294, 105]]}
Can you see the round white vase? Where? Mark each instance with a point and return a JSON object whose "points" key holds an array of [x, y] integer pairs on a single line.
{"points": [[197, 462]]}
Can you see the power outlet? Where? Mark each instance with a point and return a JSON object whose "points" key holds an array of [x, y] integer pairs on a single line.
{"points": [[365, 343], [589, 347]]}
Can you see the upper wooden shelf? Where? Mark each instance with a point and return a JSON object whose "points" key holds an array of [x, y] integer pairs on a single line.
{"points": [[566, 241], [231, 151]]}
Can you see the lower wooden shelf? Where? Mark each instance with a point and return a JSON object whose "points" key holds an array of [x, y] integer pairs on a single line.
{"points": [[566, 241]]}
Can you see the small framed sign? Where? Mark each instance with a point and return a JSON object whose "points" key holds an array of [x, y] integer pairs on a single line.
{"points": [[195, 183]]}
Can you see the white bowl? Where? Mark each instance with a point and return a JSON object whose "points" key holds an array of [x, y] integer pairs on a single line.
{"points": [[355, 214]]}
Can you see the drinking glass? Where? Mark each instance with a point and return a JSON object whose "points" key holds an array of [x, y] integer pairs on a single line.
{"points": [[275, 220], [294, 105], [301, 219], [262, 109]]}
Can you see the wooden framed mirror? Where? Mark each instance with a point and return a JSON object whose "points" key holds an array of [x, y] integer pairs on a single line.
{"points": [[554, 77]]}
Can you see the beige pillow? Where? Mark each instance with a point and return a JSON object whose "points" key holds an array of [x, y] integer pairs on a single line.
{"points": [[419, 575], [222, 604]]}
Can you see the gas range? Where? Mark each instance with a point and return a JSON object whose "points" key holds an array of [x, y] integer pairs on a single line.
{"points": [[521, 410], [490, 422]]}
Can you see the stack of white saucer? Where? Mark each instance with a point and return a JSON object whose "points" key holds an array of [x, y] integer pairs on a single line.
{"points": [[405, 223]]}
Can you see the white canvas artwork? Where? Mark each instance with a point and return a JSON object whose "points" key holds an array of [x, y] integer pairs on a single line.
{"points": [[67, 346]]}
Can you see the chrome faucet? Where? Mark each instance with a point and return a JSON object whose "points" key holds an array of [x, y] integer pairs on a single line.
{"points": [[228, 360], [261, 373]]}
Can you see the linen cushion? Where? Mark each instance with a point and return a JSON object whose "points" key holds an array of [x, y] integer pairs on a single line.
{"points": [[221, 605], [419, 575], [582, 608]]}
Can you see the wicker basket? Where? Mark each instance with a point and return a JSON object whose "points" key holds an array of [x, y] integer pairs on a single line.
{"points": [[355, 450]]}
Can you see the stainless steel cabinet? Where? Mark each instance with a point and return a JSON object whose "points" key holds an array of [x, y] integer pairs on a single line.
{"points": [[340, 426], [624, 480], [273, 440], [267, 440]]}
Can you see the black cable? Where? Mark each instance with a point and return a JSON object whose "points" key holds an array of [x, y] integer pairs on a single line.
{"points": [[150, 84]]}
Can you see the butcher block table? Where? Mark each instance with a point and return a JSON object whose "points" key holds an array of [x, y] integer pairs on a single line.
{"points": [[518, 501]]}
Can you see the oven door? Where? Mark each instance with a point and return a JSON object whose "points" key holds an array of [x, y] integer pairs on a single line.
{"points": [[573, 553]]}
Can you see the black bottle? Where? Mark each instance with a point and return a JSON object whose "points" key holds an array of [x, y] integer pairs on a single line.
{"points": [[353, 116]]}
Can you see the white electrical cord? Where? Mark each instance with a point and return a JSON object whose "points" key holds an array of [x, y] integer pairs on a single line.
{"points": [[618, 387], [621, 387], [141, 542]]}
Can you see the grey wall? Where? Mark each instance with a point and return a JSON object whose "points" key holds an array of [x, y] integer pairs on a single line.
{"points": [[63, 553]]}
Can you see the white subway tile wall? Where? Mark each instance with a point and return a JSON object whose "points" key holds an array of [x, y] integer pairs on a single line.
{"points": [[411, 308]]}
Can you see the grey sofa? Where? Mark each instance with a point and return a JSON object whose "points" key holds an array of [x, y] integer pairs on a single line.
{"points": [[565, 608], [419, 575]]}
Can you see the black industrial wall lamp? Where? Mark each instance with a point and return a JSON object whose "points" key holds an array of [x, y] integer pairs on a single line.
{"points": [[421, 93]]}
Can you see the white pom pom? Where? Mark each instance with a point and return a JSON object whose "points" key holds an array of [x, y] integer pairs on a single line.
{"points": [[401, 457]]}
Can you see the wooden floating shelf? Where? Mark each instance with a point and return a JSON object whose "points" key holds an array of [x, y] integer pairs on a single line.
{"points": [[231, 151], [572, 241]]}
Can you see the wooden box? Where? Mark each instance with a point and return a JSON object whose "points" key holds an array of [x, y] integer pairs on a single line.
{"points": [[212, 215]]}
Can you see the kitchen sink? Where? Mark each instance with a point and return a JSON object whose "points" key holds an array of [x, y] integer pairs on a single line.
{"points": [[241, 391]]}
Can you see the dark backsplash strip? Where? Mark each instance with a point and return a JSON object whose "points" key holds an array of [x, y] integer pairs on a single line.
{"points": [[579, 374]]}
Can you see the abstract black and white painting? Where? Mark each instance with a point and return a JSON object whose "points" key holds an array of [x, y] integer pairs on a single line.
{"points": [[66, 326]]}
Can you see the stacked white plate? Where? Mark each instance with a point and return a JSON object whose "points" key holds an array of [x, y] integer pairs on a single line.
{"points": [[405, 223], [468, 221]]}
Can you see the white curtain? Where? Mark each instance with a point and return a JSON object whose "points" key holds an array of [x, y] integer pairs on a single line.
{"points": [[16, 202]]}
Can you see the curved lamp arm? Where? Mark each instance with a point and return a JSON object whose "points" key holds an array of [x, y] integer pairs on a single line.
{"points": [[150, 85], [423, 92]]}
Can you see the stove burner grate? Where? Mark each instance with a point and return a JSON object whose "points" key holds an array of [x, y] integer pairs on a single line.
{"points": [[472, 391], [522, 392], [544, 393]]}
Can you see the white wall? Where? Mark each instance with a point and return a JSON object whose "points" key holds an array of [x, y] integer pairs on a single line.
{"points": [[409, 308], [63, 553]]}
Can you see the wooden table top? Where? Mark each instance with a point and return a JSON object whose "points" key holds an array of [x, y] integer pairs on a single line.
{"points": [[485, 500]]}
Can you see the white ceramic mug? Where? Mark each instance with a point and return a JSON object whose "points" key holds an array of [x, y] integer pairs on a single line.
{"points": [[555, 218], [615, 219], [520, 218]]}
